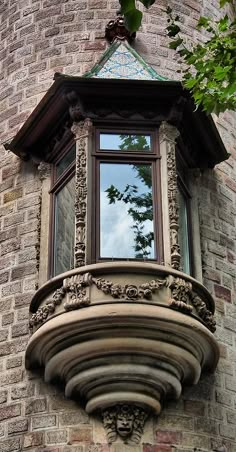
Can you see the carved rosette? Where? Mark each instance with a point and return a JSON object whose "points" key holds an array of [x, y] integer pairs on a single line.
{"points": [[169, 135], [81, 132]]}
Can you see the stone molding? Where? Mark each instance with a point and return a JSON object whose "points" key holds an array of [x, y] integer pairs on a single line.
{"points": [[115, 334]]}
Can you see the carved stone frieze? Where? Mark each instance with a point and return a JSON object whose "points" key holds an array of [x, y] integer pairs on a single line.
{"points": [[81, 132], [181, 294], [124, 421], [74, 295], [129, 291], [204, 313]]}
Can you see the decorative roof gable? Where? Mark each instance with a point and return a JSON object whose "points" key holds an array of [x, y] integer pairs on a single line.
{"points": [[121, 61]]}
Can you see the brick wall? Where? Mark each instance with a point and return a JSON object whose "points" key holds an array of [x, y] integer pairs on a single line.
{"points": [[37, 39]]}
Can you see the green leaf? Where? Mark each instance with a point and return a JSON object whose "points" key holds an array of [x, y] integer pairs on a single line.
{"points": [[173, 30], [147, 3], [175, 44], [133, 20], [223, 2], [127, 5], [203, 22], [223, 24]]}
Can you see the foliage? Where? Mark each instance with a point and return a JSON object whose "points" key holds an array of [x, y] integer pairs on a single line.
{"points": [[140, 205], [209, 68]]}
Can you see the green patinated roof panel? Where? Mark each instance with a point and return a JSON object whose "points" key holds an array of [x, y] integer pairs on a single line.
{"points": [[121, 61]]}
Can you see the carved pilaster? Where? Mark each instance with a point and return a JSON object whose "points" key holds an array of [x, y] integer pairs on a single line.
{"points": [[168, 135], [81, 132]]}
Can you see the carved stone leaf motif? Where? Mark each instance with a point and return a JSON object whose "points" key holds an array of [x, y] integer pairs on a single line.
{"points": [[125, 421], [204, 313], [129, 291], [181, 293]]}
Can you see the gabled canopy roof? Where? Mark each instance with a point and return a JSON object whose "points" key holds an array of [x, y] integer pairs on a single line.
{"points": [[121, 61], [120, 87]]}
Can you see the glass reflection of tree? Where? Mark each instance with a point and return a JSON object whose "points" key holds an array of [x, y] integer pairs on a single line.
{"points": [[141, 206]]}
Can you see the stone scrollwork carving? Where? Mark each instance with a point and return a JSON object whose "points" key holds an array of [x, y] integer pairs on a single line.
{"points": [[181, 294], [125, 421], [129, 291], [73, 289], [204, 313], [76, 291], [81, 131]]}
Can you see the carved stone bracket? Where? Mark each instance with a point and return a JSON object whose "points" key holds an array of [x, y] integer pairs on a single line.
{"points": [[44, 170], [169, 134], [125, 421], [81, 132], [74, 292], [116, 29], [204, 313]]}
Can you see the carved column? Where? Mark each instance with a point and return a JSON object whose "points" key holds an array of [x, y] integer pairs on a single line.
{"points": [[81, 132], [168, 135]]}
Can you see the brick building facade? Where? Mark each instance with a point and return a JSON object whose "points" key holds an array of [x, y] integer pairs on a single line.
{"points": [[38, 39]]}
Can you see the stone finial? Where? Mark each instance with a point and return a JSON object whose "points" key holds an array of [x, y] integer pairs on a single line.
{"points": [[116, 30]]}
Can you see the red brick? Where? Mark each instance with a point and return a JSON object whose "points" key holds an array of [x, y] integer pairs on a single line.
{"points": [[80, 434], [222, 292], [157, 448], [169, 437]]}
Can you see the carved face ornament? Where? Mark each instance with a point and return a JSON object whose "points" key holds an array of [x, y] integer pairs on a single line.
{"points": [[124, 422]]}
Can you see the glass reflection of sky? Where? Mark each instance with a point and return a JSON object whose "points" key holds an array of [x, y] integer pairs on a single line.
{"points": [[117, 237], [109, 141]]}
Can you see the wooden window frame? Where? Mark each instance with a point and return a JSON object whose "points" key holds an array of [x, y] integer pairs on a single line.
{"points": [[57, 184], [183, 187], [149, 157]]}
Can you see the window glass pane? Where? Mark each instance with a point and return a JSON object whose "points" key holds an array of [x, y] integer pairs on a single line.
{"points": [[183, 234], [64, 228], [126, 211], [66, 161], [125, 142]]}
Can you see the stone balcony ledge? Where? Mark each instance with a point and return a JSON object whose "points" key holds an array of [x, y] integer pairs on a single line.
{"points": [[123, 334]]}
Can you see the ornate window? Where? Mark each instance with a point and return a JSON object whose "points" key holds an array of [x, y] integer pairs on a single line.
{"points": [[145, 326], [127, 202]]}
